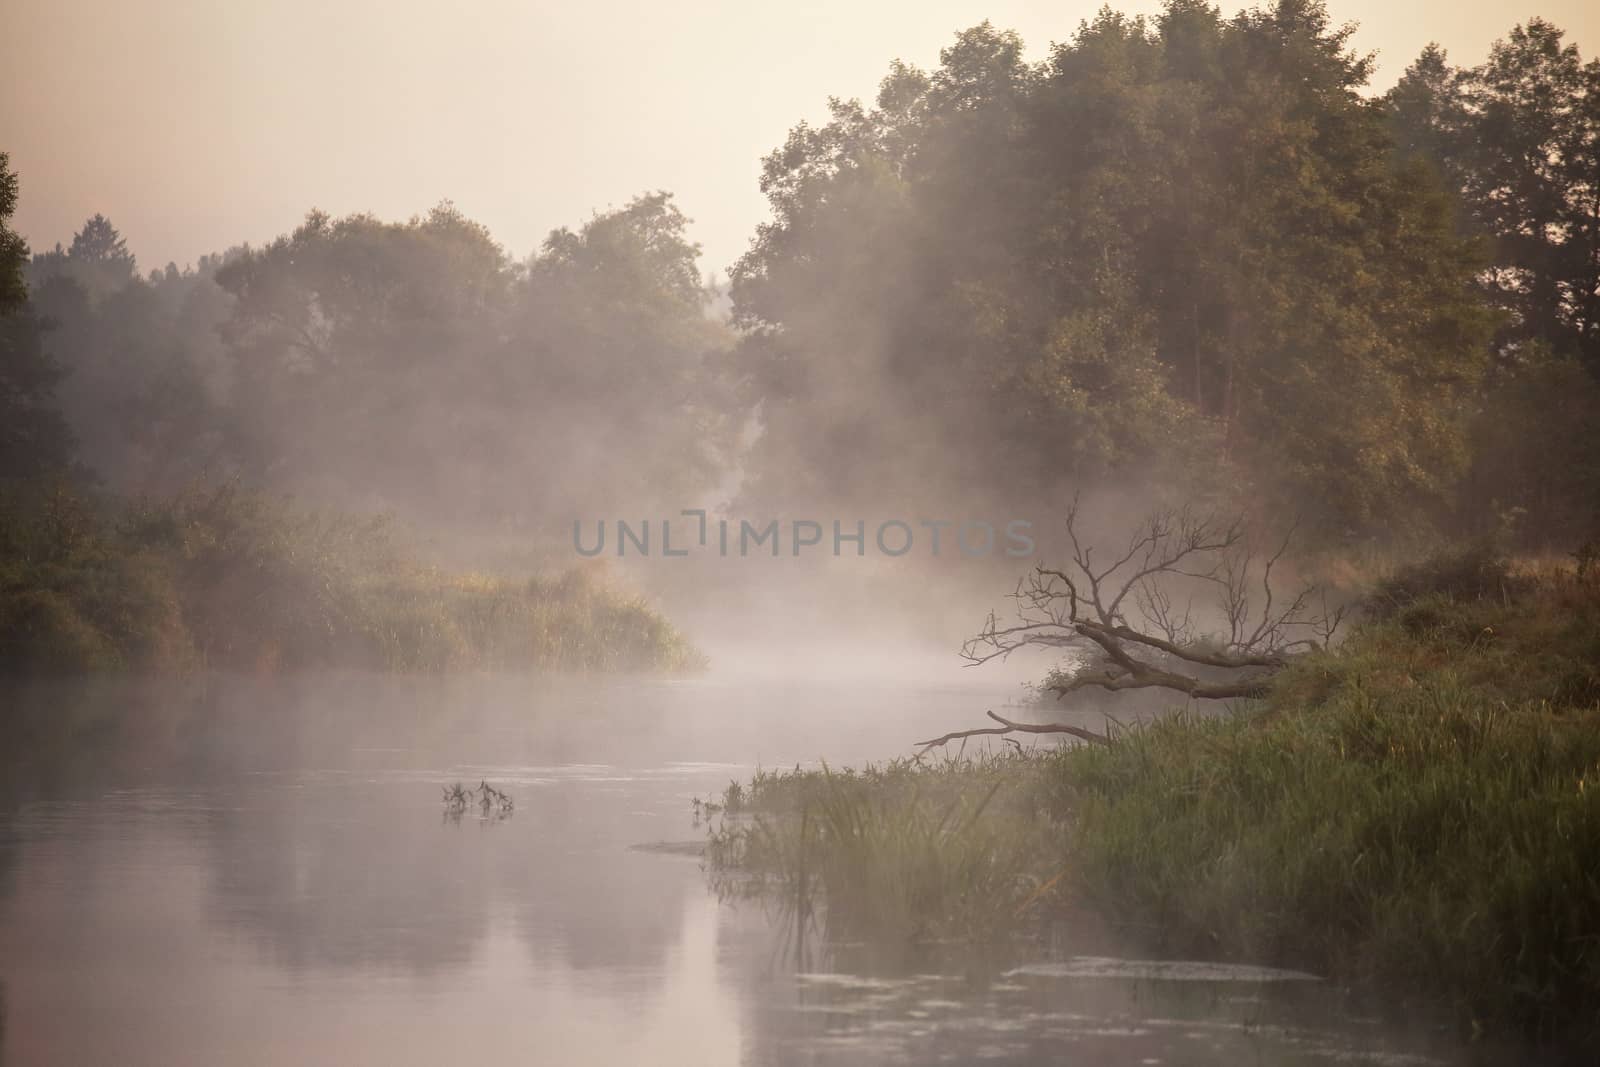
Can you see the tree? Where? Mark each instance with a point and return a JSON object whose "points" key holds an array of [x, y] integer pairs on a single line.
{"points": [[34, 439], [1533, 179], [613, 346], [1182, 247], [144, 365], [1137, 616], [1428, 112], [416, 364], [1519, 136], [13, 248], [98, 261], [351, 340], [99, 243]]}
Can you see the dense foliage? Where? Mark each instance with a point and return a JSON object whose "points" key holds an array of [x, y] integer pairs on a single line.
{"points": [[1176, 246], [1415, 808], [415, 361], [34, 437], [405, 368], [1188, 252], [408, 366], [1519, 136]]}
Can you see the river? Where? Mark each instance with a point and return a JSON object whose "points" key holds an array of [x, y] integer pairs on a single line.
{"points": [[260, 872]]}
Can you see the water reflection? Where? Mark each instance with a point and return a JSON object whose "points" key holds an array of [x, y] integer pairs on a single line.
{"points": [[269, 881]]}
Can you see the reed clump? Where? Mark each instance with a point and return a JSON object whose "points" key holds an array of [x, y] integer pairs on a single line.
{"points": [[907, 851], [492, 804]]}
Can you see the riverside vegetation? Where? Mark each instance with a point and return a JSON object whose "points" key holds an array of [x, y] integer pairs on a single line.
{"points": [[229, 579], [1418, 808], [1189, 251]]}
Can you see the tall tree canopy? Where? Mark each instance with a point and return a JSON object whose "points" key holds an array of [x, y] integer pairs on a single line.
{"points": [[407, 366], [1184, 242], [1189, 250], [415, 364], [13, 249], [143, 363], [1519, 136], [34, 438], [97, 260]]}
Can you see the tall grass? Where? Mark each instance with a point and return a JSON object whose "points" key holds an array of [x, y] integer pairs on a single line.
{"points": [[1418, 809], [908, 851]]}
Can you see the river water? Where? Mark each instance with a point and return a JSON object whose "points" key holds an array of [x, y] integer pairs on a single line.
{"points": [[260, 872]]}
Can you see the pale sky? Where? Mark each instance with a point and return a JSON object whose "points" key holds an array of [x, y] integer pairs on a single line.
{"points": [[196, 125]]}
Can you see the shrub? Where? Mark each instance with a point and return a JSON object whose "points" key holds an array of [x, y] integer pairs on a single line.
{"points": [[1478, 572]]}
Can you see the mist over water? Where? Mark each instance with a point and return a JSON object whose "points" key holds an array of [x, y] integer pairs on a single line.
{"points": [[1269, 368], [270, 880]]}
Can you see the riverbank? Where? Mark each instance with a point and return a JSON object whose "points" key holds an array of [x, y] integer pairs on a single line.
{"points": [[1417, 810], [226, 579]]}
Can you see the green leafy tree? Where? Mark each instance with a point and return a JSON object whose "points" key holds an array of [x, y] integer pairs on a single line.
{"points": [[351, 338], [1183, 247], [614, 355], [414, 366], [1519, 136], [13, 248], [145, 372], [34, 439]]}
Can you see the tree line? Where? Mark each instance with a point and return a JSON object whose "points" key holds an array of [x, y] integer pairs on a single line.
{"points": [[1188, 250]]}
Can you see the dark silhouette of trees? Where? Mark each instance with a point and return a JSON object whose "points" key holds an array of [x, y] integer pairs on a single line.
{"points": [[34, 439]]}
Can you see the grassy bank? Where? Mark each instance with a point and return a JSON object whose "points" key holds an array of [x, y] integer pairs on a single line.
{"points": [[226, 579], [1419, 809], [913, 850]]}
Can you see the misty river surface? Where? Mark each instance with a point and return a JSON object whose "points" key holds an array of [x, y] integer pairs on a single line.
{"points": [[271, 880]]}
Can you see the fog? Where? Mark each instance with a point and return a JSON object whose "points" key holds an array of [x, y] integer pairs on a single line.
{"points": [[951, 531], [495, 290]]}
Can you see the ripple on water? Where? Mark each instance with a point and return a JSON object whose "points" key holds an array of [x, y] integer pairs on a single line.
{"points": [[1158, 970]]}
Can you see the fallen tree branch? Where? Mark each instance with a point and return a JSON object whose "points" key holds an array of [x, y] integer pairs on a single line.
{"points": [[1009, 727], [1171, 556], [1197, 654], [1149, 678]]}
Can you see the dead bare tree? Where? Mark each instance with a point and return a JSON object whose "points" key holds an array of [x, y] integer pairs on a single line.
{"points": [[1134, 618]]}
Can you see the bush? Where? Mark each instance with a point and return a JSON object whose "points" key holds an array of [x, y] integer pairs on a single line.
{"points": [[1478, 572]]}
